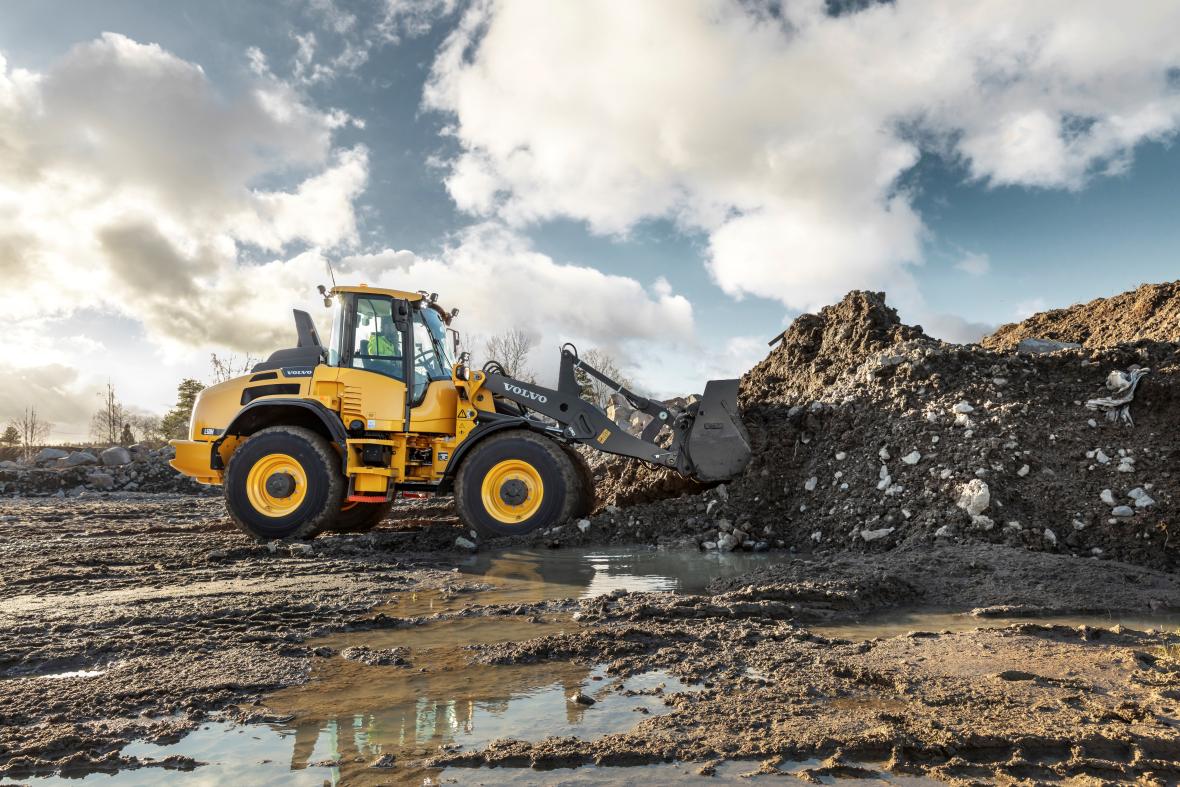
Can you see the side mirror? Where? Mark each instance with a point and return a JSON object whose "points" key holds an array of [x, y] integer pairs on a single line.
{"points": [[401, 315]]}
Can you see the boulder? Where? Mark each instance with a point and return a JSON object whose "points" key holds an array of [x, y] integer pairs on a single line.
{"points": [[47, 455], [115, 456], [78, 459], [974, 497]]}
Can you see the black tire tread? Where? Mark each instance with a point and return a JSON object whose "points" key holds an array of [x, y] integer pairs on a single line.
{"points": [[562, 461], [310, 528], [588, 494]]}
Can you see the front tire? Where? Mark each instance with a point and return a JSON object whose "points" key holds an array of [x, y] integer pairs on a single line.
{"points": [[516, 482], [283, 482], [360, 517]]}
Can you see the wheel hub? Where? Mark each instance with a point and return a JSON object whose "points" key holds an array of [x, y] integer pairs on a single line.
{"points": [[280, 485], [514, 492]]}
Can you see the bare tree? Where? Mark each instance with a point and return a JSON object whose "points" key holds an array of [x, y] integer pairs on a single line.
{"points": [[512, 349], [106, 425], [147, 426], [32, 429], [593, 389], [230, 366]]}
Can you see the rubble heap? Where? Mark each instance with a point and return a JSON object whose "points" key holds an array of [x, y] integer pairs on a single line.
{"points": [[54, 471], [1149, 312], [867, 434]]}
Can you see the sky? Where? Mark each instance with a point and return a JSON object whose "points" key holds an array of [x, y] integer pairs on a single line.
{"points": [[671, 181]]}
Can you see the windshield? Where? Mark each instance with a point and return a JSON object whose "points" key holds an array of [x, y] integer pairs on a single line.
{"points": [[442, 342]]}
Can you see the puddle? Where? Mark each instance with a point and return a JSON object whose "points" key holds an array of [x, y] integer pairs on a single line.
{"points": [[899, 623], [586, 573]]}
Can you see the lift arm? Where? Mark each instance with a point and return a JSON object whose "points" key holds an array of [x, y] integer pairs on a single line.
{"points": [[709, 441]]}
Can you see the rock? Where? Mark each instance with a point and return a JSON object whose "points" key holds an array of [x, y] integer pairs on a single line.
{"points": [[583, 525], [761, 546], [116, 455], [809, 485], [103, 481], [384, 761], [1122, 511], [963, 408], [873, 535], [841, 456], [709, 545], [465, 543], [216, 554], [1023, 471], [1041, 346], [944, 532], [300, 550], [974, 497], [46, 455], [1050, 536], [723, 491], [78, 459], [581, 698], [727, 543], [1101, 457], [1141, 498], [1106, 496], [912, 458]]}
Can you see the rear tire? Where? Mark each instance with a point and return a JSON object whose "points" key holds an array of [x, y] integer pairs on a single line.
{"points": [[516, 482], [360, 517], [283, 482], [588, 494]]}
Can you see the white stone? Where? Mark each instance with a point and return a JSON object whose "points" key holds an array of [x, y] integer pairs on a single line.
{"points": [[943, 532], [465, 543], [873, 535], [1122, 511], [1101, 456], [962, 408], [884, 454], [727, 543], [1079, 524], [1050, 536], [934, 439], [1023, 471], [1092, 423], [1141, 498], [583, 525], [841, 456], [817, 536], [809, 485], [983, 522], [723, 492], [912, 458], [974, 497], [1107, 497]]}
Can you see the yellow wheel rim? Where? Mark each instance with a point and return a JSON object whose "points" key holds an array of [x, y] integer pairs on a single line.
{"points": [[512, 491], [276, 485]]}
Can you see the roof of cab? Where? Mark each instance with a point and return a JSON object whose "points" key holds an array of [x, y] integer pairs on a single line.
{"points": [[409, 296]]}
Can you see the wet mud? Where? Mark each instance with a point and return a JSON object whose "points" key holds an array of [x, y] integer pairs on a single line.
{"points": [[144, 639]]}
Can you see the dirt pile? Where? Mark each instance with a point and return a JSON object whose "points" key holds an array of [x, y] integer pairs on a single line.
{"points": [[868, 435], [1149, 312]]}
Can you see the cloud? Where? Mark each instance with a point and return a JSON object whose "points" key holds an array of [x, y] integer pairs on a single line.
{"points": [[953, 328], [499, 282], [1028, 308], [130, 183], [782, 131], [974, 264]]}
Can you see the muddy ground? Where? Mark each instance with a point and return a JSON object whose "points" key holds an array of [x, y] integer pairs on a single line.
{"points": [[186, 622]]}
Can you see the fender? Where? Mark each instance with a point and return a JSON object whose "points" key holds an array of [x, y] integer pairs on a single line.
{"points": [[490, 423], [252, 412]]}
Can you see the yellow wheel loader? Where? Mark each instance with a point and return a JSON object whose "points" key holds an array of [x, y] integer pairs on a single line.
{"points": [[322, 438]]}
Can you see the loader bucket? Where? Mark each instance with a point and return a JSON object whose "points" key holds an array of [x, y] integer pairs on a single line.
{"points": [[718, 447]]}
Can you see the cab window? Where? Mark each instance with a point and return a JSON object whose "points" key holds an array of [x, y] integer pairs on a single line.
{"points": [[428, 363], [377, 343]]}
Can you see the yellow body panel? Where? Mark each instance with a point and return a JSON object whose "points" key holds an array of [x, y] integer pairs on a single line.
{"points": [[192, 459], [366, 289], [374, 399], [436, 413]]}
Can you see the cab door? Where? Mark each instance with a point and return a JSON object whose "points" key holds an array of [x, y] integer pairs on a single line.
{"points": [[373, 363]]}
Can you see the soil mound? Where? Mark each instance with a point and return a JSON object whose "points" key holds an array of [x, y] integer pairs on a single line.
{"points": [[869, 435], [1149, 312]]}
